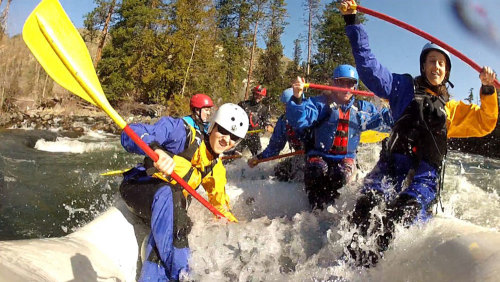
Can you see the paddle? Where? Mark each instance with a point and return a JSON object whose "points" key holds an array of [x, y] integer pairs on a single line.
{"points": [[57, 45], [368, 136], [422, 34], [335, 88]]}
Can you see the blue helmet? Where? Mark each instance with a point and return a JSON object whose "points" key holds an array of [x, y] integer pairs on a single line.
{"points": [[346, 71], [286, 95]]}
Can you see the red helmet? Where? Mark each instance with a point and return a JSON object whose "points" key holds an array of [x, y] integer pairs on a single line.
{"points": [[199, 101], [259, 90]]}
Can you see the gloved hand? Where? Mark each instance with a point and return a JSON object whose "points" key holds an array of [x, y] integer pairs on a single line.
{"points": [[347, 7], [253, 162]]}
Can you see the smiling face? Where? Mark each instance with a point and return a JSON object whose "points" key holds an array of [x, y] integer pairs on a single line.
{"points": [[221, 140], [435, 67]]}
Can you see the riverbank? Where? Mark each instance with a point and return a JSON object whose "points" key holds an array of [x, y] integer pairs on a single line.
{"points": [[72, 115]]}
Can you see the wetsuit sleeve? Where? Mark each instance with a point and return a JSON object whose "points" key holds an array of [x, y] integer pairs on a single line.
{"points": [[398, 88], [215, 187], [169, 132], [471, 120], [277, 142], [303, 115]]}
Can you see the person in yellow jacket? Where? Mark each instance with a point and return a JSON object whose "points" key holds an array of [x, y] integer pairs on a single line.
{"points": [[149, 193], [407, 177]]}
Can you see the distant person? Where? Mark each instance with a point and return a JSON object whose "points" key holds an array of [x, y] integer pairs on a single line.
{"points": [[201, 107], [335, 120], [259, 117], [407, 177], [162, 201], [283, 133]]}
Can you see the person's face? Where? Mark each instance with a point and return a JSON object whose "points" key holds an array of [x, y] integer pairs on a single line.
{"points": [[343, 97], [205, 114], [257, 97], [435, 67], [222, 140]]}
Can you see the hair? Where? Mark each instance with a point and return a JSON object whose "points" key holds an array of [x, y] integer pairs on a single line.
{"points": [[441, 89]]}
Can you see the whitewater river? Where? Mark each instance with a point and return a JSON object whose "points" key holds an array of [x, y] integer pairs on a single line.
{"points": [[50, 185]]}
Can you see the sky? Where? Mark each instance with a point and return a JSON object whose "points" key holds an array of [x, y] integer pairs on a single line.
{"points": [[396, 48]]}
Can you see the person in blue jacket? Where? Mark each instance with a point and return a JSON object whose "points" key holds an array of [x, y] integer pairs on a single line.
{"points": [[201, 107], [335, 120], [283, 133], [151, 194], [406, 180]]}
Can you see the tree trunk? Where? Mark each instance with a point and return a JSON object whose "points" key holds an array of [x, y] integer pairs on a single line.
{"points": [[45, 86], [189, 65], [3, 19], [104, 33], [251, 59], [309, 39], [4, 83]]}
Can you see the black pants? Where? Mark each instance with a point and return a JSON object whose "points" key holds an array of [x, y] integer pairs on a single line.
{"points": [[139, 196], [323, 178]]}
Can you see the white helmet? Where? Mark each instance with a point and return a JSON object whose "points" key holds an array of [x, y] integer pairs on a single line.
{"points": [[232, 118]]}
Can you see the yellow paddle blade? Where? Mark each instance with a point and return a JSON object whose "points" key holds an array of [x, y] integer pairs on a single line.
{"points": [[58, 46], [49, 17], [372, 136], [115, 172]]}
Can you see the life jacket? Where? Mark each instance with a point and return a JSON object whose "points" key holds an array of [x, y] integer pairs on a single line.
{"points": [[339, 146], [421, 131], [292, 138], [191, 164], [257, 112]]}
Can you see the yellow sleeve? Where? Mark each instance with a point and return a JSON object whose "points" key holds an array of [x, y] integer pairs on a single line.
{"points": [[471, 120], [215, 185]]}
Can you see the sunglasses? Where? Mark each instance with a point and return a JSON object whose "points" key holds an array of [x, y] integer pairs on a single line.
{"points": [[344, 82], [223, 131]]}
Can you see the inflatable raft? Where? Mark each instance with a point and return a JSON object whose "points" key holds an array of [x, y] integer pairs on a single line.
{"points": [[445, 249]]}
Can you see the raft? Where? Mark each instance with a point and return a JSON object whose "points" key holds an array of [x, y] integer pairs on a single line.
{"points": [[444, 249]]}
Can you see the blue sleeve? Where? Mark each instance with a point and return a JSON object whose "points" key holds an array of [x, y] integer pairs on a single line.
{"points": [[169, 132], [277, 142], [304, 115], [398, 88], [374, 119]]}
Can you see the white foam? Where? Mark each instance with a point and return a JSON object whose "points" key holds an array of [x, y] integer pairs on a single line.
{"points": [[69, 145]]}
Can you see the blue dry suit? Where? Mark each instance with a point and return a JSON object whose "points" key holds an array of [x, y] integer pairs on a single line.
{"points": [[165, 204], [399, 90], [282, 134], [315, 113]]}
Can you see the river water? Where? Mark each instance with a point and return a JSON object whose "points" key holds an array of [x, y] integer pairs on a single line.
{"points": [[51, 184]]}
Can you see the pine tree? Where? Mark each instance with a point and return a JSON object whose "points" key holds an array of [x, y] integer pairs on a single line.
{"points": [[129, 65], [270, 66], [258, 9], [233, 33], [99, 19], [333, 45]]}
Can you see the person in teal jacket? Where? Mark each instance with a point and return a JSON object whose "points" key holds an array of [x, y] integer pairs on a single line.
{"points": [[201, 107], [335, 120], [407, 177]]}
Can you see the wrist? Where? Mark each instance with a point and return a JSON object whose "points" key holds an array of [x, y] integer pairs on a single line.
{"points": [[350, 19], [487, 89]]}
